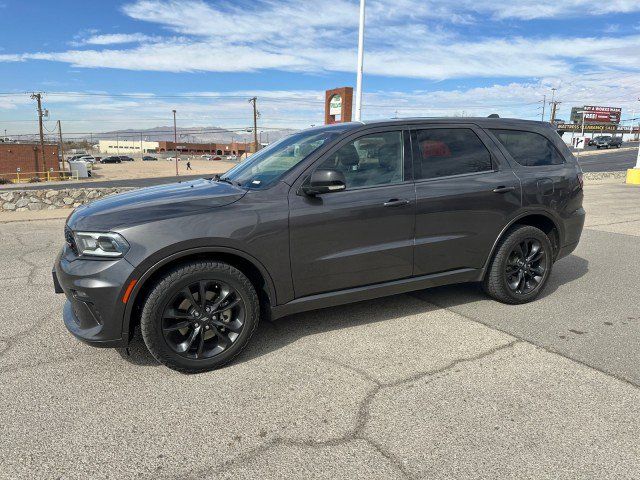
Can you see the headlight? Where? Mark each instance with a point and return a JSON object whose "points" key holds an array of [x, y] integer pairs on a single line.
{"points": [[101, 244]]}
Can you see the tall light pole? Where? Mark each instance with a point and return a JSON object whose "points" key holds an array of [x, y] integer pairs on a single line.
{"points": [[175, 140], [360, 63]]}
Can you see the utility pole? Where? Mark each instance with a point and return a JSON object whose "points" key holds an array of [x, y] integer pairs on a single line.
{"points": [[544, 101], [175, 139], [38, 98], [61, 144], [255, 122], [360, 62], [554, 106]]}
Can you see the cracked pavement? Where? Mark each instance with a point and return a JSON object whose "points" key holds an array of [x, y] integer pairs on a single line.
{"points": [[440, 383]]}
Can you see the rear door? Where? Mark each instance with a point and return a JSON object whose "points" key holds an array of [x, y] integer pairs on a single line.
{"points": [[465, 194], [362, 235], [548, 171]]}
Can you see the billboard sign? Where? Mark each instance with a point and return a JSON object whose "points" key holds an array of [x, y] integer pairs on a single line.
{"points": [[596, 114], [588, 128]]}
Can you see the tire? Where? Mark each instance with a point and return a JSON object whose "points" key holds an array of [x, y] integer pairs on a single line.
{"points": [[499, 278], [167, 303]]}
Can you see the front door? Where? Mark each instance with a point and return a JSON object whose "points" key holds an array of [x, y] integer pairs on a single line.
{"points": [[362, 235], [465, 197]]}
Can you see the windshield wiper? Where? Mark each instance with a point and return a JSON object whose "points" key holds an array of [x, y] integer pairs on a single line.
{"points": [[218, 178]]}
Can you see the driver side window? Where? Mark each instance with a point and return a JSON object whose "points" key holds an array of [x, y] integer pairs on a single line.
{"points": [[371, 160]]}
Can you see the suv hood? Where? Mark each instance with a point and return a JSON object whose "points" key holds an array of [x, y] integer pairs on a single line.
{"points": [[153, 203]]}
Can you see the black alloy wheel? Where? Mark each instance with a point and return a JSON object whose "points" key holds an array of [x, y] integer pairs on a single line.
{"points": [[520, 266], [199, 316], [525, 266], [203, 319]]}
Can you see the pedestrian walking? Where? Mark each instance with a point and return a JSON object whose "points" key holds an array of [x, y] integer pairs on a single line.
{"points": [[189, 166]]}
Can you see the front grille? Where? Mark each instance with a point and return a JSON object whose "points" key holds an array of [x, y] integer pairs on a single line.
{"points": [[70, 239]]}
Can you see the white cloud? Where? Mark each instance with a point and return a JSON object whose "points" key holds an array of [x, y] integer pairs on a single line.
{"points": [[405, 40], [115, 38], [300, 108]]}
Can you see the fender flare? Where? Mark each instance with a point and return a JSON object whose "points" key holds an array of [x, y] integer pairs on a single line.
{"points": [[142, 279], [519, 216]]}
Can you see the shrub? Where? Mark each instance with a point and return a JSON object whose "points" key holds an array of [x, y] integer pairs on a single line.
{"points": [[5, 181], [35, 180]]}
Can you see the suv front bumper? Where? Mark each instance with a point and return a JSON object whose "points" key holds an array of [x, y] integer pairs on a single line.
{"points": [[94, 310]]}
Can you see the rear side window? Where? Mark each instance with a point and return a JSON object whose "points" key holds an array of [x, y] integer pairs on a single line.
{"points": [[529, 149], [442, 152]]}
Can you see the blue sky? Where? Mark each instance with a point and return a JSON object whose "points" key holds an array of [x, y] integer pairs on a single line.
{"points": [[205, 58]]}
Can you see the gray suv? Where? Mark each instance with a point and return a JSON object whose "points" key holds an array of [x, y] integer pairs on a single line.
{"points": [[328, 216], [608, 142]]}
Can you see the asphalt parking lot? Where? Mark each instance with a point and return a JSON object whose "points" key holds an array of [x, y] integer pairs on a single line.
{"points": [[441, 383]]}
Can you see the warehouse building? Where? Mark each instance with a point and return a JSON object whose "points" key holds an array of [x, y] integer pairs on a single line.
{"points": [[27, 158], [118, 146]]}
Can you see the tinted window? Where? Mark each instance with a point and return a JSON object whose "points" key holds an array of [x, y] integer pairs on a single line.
{"points": [[528, 148], [450, 151], [375, 159]]}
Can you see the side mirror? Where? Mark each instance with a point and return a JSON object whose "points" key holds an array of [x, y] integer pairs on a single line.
{"points": [[325, 181]]}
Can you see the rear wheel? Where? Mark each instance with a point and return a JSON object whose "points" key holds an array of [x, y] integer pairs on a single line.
{"points": [[199, 316], [520, 266]]}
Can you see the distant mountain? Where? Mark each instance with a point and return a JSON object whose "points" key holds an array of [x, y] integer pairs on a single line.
{"points": [[192, 134]]}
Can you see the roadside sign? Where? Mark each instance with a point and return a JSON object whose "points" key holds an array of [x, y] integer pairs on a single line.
{"points": [[335, 105]]}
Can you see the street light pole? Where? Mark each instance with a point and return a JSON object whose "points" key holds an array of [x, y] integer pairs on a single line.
{"points": [[175, 140], [360, 63]]}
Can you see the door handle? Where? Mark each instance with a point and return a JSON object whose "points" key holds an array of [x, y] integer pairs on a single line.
{"points": [[396, 202], [503, 189]]}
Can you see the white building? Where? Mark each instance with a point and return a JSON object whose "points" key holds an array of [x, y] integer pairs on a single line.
{"points": [[123, 147]]}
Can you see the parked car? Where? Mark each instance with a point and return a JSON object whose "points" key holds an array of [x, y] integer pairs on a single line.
{"points": [[330, 215], [172, 159], [232, 158], [148, 158], [111, 160], [608, 142], [87, 158], [125, 158]]}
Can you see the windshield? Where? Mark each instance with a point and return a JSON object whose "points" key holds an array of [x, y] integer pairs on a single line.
{"points": [[265, 167]]}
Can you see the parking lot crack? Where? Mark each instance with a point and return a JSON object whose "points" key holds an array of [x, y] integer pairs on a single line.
{"points": [[12, 340], [535, 344], [362, 416]]}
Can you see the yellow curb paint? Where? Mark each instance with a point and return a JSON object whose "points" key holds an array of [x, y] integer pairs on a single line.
{"points": [[633, 176]]}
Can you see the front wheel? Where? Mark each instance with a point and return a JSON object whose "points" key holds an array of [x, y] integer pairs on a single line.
{"points": [[199, 316], [520, 266]]}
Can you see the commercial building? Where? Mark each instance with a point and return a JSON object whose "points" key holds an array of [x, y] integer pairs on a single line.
{"points": [[231, 148], [27, 157], [118, 146]]}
